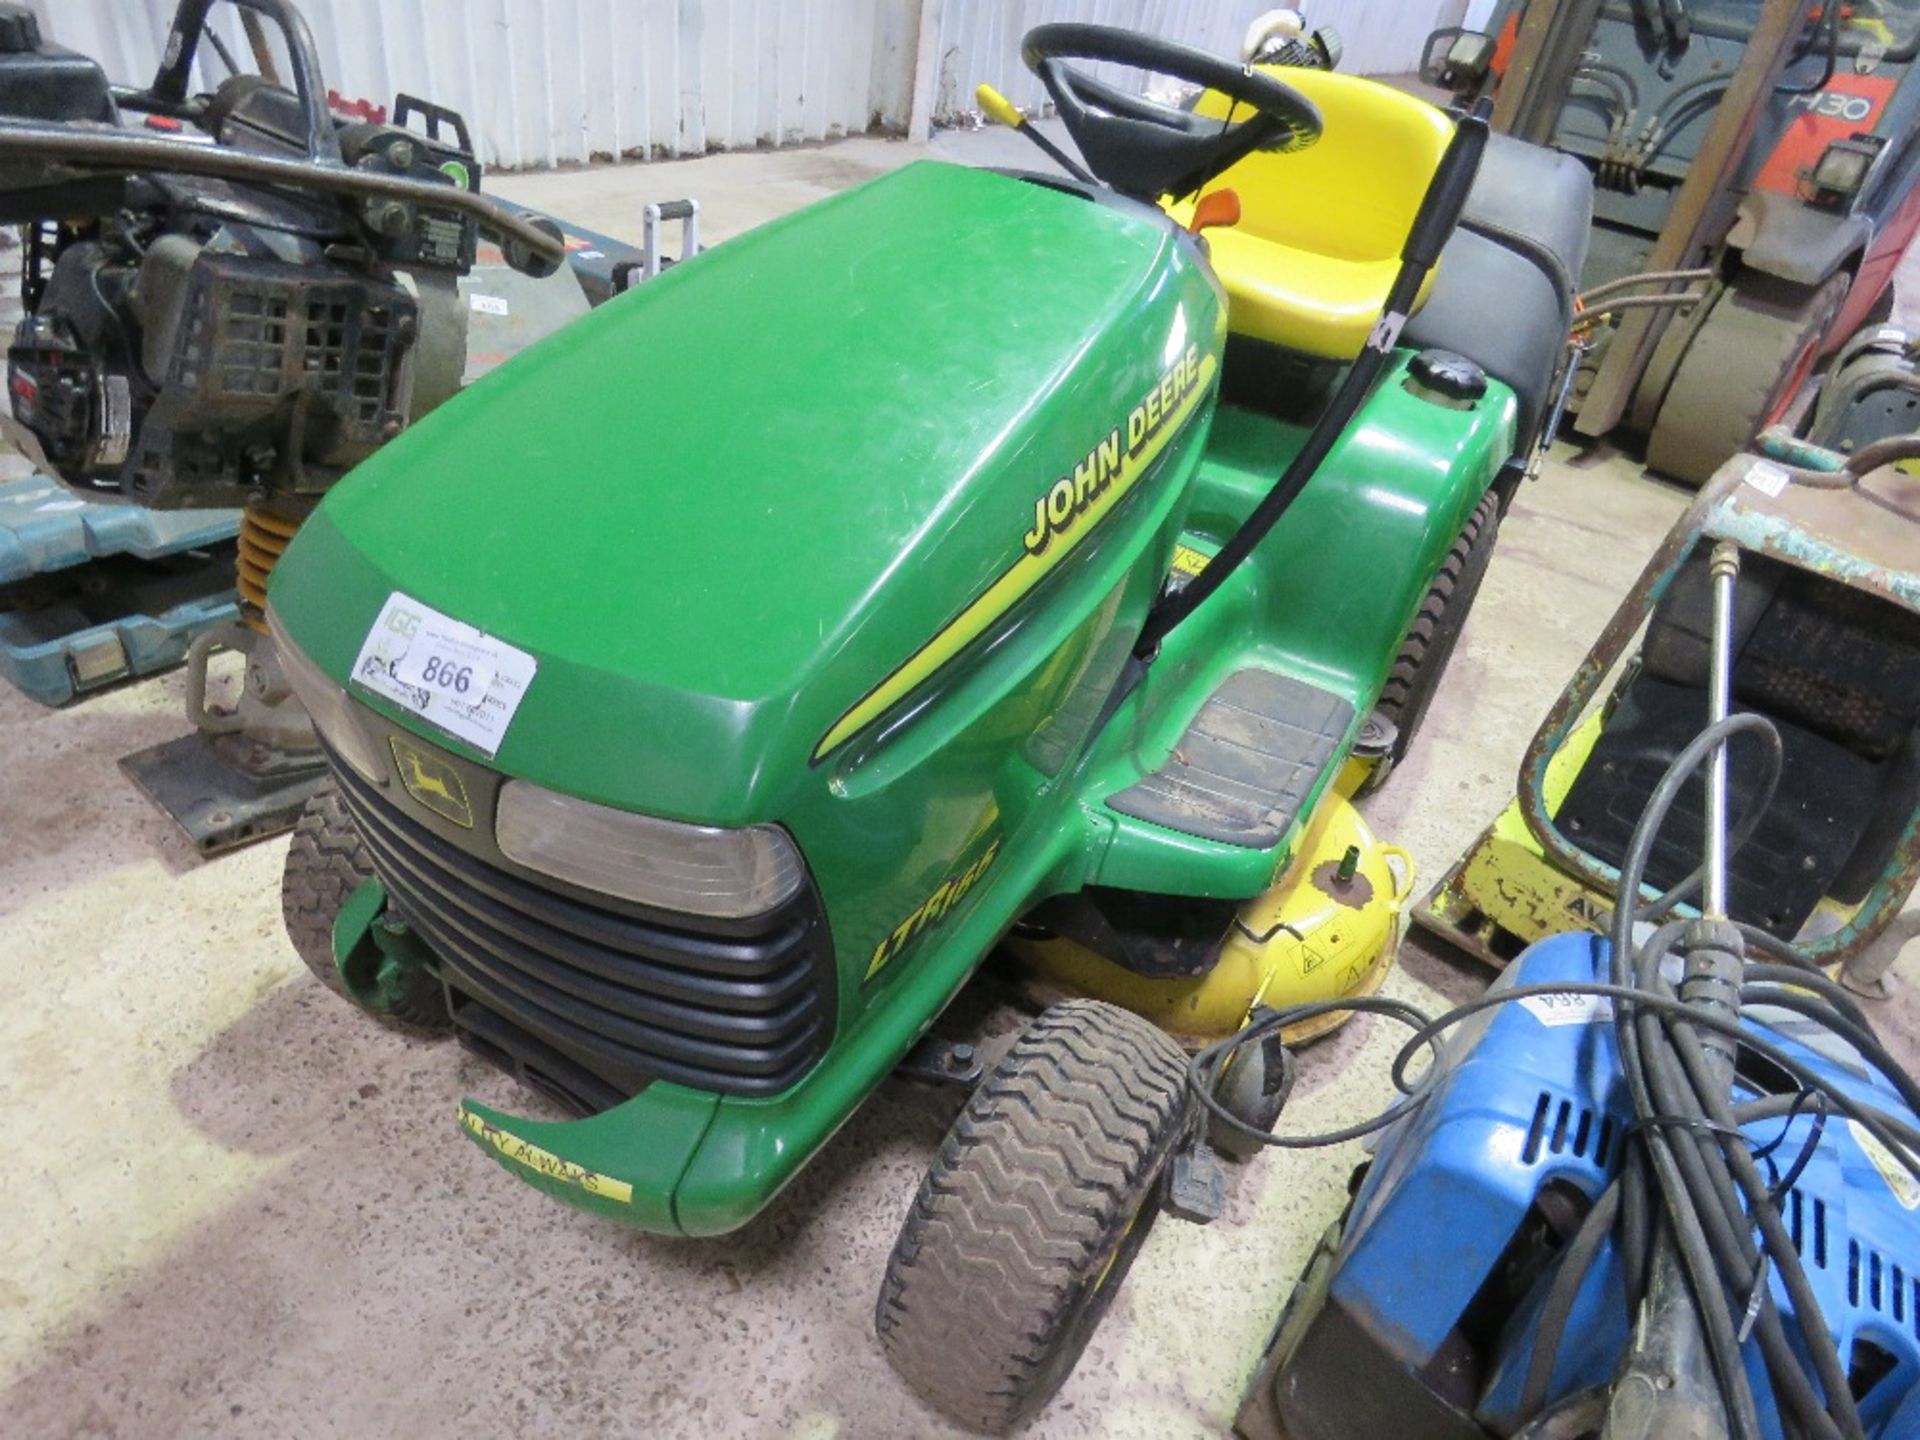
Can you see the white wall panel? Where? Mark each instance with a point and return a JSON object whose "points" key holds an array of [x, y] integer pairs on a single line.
{"points": [[551, 81], [546, 82], [980, 39]]}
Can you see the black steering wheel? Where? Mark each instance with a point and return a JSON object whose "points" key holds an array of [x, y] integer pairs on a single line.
{"points": [[1145, 149]]}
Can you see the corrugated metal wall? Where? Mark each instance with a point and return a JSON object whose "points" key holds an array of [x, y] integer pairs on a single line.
{"points": [[546, 82], [980, 39]]}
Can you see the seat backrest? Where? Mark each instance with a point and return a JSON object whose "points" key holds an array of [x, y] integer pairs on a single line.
{"points": [[1351, 195]]}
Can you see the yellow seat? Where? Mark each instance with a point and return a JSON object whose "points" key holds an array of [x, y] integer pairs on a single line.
{"points": [[1318, 243]]}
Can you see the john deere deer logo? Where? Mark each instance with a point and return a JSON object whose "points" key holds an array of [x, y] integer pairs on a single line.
{"points": [[433, 783]]}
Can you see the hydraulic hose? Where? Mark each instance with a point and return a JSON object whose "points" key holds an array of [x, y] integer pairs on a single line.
{"points": [[1832, 25]]}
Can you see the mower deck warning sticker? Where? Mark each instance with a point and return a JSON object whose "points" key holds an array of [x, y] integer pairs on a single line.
{"points": [[545, 1162], [466, 683]]}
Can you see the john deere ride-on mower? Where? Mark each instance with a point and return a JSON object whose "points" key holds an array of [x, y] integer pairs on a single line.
{"points": [[998, 553]]}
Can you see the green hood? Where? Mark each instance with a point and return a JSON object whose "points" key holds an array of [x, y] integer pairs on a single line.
{"points": [[722, 510]]}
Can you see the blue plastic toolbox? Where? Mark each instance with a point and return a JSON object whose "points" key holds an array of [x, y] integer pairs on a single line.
{"points": [[92, 592]]}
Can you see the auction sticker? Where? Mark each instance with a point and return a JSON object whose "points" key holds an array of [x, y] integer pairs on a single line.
{"points": [[451, 675], [1576, 1009], [1766, 477]]}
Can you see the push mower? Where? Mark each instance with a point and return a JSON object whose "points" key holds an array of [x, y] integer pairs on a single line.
{"points": [[1660, 1182], [1057, 544]]}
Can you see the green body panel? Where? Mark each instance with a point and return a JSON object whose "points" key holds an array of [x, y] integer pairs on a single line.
{"points": [[739, 500], [1328, 597]]}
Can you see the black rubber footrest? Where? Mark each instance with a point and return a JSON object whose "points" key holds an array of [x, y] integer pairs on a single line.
{"points": [[1247, 763]]}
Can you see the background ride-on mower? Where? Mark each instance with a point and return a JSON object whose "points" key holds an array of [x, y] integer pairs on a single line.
{"points": [[1050, 590]]}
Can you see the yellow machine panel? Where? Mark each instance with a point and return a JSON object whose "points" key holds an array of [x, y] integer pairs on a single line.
{"points": [[1327, 929]]}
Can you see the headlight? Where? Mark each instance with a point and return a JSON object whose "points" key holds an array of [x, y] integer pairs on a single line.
{"points": [[1843, 168], [328, 707], [698, 869]]}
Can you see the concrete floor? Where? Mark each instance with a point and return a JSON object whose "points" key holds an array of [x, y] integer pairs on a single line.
{"points": [[234, 1207]]}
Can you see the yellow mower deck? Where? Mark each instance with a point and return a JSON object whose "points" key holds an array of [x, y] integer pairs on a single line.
{"points": [[1312, 936]]}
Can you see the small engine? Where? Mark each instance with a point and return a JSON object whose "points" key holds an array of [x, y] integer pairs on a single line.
{"points": [[182, 371], [192, 340]]}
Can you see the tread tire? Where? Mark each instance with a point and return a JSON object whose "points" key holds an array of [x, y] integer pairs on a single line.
{"points": [[1747, 356], [1435, 631], [326, 863], [1032, 1213]]}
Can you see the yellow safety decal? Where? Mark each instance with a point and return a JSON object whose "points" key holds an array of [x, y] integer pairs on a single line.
{"points": [[1063, 516], [434, 783], [1899, 1179], [545, 1162], [1189, 561]]}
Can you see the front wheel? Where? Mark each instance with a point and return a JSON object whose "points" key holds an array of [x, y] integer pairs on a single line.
{"points": [[1032, 1213], [1741, 371], [326, 862]]}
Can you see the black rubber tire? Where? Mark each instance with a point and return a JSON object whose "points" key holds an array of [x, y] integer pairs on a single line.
{"points": [[1435, 632], [326, 863], [1032, 1213], [1748, 353]]}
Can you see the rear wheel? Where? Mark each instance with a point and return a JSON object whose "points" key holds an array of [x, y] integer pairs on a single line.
{"points": [[1741, 371], [1435, 632], [1032, 1213], [326, 863]]}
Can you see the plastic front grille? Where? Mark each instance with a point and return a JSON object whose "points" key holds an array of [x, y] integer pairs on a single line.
{"points": [[591, 1004]]}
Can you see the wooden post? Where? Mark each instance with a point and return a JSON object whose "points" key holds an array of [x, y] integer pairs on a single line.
{"points": [[1546, 48], [926, 71]]}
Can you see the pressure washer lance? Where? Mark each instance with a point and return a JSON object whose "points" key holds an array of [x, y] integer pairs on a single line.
{"points": [[1667, 1388]]}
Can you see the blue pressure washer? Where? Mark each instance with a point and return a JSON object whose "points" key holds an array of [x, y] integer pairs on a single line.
{"points": [[1651, 1187], [1422, 1315]]}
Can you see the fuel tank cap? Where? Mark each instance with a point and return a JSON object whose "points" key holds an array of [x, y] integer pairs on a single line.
{"points": [[1446, 378]]}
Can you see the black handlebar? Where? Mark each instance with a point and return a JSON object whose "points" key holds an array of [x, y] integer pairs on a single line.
{"points": [[183, 47]]}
